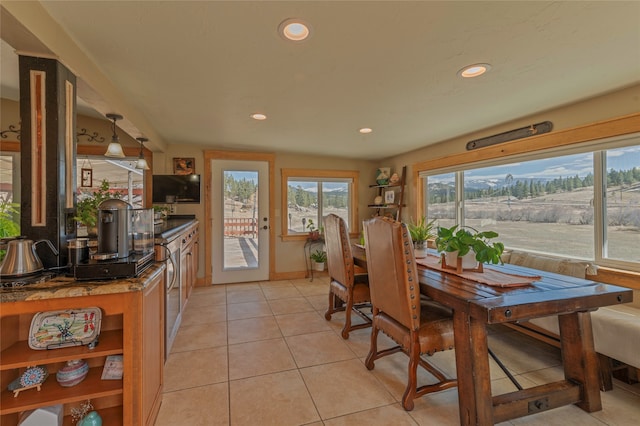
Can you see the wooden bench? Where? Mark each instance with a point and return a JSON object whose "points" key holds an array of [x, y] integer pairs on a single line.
{"points": [[616, 329]]}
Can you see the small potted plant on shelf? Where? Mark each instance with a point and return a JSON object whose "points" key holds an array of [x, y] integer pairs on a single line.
{"points": [[319, 258], [467, 248], [314, 233], [421, 231]]}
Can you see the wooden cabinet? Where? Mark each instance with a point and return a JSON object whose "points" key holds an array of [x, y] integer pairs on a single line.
{"points": [[131, 326], [391, 198], [189, 260]]}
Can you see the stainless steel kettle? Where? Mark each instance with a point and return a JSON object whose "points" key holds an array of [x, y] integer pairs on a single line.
{"points": [[21, 258]]}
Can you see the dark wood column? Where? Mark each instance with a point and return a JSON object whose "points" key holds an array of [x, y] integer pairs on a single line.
{"points": [[48, 152]]}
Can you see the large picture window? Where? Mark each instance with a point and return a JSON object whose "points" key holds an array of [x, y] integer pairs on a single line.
{"points": [[309, 195], [583, 205]]}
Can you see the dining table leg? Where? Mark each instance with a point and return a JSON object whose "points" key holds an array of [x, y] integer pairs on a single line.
{"points": [[472, 370], [579, 357]]}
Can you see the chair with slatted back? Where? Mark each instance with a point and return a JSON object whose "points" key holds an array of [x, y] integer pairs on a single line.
{"points": [[348, 288], [418, 326]]}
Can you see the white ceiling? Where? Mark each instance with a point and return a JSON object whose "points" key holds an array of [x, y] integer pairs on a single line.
{"points": [[196, 70]]}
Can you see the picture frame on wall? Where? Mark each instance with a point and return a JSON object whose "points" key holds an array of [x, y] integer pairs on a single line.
{"points": [[86, 178], [184, 166]]}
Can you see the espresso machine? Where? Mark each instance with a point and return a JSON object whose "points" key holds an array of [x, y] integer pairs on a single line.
{"points": [[125, 242], [114, 235]]}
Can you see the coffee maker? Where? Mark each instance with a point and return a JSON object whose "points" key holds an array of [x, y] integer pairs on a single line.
{"points": [[114, 235], [125, 243]]}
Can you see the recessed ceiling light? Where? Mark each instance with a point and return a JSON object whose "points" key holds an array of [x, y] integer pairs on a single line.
{"points": [[294, 29], [474, 70], [258, 116], [365, 130]]}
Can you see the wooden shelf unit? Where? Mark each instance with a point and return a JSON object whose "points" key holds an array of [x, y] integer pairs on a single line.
{"points": [[398, 203], [132, 326]]}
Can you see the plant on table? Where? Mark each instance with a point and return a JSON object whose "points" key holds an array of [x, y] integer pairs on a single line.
{"points": [[421, 231], [468, 239]]}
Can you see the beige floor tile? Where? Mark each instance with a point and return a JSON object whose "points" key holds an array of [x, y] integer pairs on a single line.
{"points": [[384, 416], [318, 348], [244, 310], [278, 399], [231, 288], [279, 283], [439, 408], [211, 289], [204, 315], [282, 292], [302, 322], [290, 306], [258, 358], [191, 369], [252, 329], [619, 407], [201, 406], [207, 300], [312, 289], [329, 383], [200, 336], [569, 415], [250, 295], [522, 354], [320, 302]]}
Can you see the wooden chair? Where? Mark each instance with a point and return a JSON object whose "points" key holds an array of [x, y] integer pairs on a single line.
{"points": [[418, 326], [348, 288]]}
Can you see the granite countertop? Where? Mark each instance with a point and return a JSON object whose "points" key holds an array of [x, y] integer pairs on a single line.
{"points": [[171, 227], [62, 286]]}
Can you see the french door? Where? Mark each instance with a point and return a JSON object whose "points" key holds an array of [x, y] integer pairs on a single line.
{"points": [[240, 220]]}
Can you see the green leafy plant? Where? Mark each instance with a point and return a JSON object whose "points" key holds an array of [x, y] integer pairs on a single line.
{"points": [[421, 230], [87, 207], [319, 256], [9, 221], [465, 240], [311, 226]]}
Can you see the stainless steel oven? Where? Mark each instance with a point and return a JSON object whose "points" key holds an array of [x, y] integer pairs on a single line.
{"points": [[170, 253]]}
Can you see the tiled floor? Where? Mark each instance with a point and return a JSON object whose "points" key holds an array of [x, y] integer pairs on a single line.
{"points": [[263, 354]]}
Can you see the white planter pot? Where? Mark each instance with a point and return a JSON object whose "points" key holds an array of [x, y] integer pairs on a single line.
{"points": [[318, 266], [468, 260]]}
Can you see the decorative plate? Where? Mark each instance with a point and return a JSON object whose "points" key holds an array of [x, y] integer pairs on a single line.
{"points": [[59, 329]]}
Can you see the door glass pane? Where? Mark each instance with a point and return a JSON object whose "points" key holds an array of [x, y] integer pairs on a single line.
{"points": [[622, 204], [441, 199], [240, 219]]}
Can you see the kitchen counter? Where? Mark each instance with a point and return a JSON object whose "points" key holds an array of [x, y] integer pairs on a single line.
{"points": [[62, 286], [171, 227]]}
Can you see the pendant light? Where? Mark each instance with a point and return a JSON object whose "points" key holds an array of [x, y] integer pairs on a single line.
{"points": [[142, 163], [115, 149]]}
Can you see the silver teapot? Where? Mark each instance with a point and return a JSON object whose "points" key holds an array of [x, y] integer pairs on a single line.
{"points": [[21, 258]]}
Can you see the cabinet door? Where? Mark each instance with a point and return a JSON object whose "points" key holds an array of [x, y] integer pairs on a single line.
{"points": [[152, 348], [185, 260]]}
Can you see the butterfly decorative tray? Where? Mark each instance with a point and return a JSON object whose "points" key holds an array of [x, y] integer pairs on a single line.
{"points": [[59, 329]]}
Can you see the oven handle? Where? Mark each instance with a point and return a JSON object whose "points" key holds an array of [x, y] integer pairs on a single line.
{"points": [[175, 269]]}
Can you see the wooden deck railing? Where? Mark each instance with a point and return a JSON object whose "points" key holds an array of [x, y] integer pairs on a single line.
{"points": [[234, 227]]}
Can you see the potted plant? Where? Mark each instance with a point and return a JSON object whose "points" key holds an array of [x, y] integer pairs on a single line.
{"points": [[314, 233], [421, 231], [319, 258], [87, 207], [466, 242]]}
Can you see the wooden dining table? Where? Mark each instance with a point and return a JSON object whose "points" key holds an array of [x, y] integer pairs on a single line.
{"points": [[476, 305]]}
